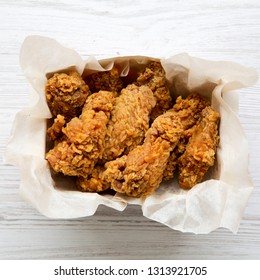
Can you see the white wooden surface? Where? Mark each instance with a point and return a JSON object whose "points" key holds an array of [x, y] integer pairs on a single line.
{"points": [[218, 30]]}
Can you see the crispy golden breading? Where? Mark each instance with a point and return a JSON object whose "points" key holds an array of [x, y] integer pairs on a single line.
{"points": [[154, 77], [189, 111], [200, 151], [139, 173], [171, 166], [66, 94], [55, 131], [129, 121], [82, 146], [107, 80], [94, 182]]}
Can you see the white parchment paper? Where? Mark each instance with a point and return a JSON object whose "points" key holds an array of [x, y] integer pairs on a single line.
{"points": [[217, 202]]}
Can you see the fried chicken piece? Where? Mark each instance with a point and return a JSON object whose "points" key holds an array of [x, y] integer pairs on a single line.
{"points": [[55, 131], [154, 77], [66, 94], [94, 182], [200, 152], [139, 173], [189, 110], [129, 121], [82, 146], [107, 80]]}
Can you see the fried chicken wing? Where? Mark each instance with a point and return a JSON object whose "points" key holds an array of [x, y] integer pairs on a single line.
{"points": [[139, 173], [200, 152], [154, 77], [107, 80], [83, 143], [66, 94], [129, 121], [189, 110]]}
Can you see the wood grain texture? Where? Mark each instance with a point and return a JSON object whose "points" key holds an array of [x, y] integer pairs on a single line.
{"points": [[218, 30]]}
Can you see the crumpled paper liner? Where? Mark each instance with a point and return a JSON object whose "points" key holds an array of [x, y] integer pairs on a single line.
{"points": [[217, 202]]}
